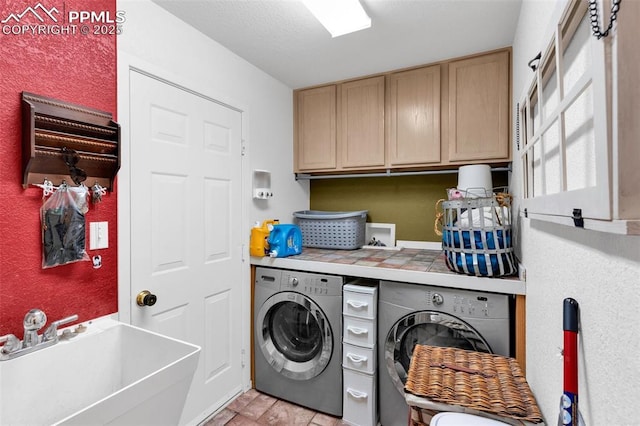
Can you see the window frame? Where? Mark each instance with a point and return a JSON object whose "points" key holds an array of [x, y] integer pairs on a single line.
{"points": [[594, 202]]}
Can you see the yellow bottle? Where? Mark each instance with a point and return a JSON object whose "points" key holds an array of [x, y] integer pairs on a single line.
{"points": [[258, 245]]}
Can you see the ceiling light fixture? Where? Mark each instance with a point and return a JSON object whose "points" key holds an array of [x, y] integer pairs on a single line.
{"points": [[339, 17]]}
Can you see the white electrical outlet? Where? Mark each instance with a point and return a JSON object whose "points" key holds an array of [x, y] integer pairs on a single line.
{"points": [[98, 235]]}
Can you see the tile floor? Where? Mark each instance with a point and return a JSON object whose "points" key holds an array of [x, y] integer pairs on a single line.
{"points": [[255, 408]]}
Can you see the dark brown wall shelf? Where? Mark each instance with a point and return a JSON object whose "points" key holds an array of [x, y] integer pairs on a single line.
{"points": [[51, 126]]}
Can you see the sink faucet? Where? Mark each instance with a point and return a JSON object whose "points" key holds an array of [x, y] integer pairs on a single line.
{"points": [[34, 320]]}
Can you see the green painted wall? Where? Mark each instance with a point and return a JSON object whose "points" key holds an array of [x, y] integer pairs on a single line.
{"points": [[407, 201]]}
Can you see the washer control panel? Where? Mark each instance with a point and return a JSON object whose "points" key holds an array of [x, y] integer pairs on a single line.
{"points": [[311, 284]]}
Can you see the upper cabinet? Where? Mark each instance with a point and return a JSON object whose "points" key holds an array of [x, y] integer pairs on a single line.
{"points": [[414, 117], [340, 126], [315, 131], [448, 113], [361, 124], [479, 108]]}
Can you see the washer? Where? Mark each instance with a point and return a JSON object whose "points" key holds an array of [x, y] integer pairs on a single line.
{"points": [[297, 350], [410, 314]]}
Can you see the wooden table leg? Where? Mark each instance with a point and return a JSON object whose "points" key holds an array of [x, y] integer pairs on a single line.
{"points": [[521, 331]]}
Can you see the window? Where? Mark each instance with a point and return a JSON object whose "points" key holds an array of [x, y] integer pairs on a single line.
{"points": [[564, 124]]}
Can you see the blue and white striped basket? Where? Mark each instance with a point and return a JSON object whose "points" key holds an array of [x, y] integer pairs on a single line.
{"points": [[476, 236]]}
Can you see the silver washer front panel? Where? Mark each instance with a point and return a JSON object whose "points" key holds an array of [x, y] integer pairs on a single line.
{"points": [[298, 325]]}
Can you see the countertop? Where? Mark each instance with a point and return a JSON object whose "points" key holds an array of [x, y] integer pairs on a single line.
{"points": [[405, 265]]}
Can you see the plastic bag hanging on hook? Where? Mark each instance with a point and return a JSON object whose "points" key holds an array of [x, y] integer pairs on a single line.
{"points": [[80, 196], [63, 228]]}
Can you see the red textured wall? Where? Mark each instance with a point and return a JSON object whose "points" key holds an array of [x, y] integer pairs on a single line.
{"points": [[75, 68]]}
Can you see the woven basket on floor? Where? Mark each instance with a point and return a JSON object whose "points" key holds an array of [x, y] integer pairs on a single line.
{"points": [[471, 382]]}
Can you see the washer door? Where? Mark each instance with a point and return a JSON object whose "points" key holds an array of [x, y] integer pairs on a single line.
{"points": [[294, 335], [426, 328]]}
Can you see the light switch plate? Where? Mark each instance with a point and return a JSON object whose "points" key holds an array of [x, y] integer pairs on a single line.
{"points": [[98, 235]]}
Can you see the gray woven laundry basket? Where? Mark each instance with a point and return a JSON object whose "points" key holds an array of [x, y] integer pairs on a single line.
{"points": [[332, 230]]}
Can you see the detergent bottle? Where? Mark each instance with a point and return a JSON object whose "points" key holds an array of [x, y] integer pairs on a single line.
{"points": [[258, 245], [285, 240]]}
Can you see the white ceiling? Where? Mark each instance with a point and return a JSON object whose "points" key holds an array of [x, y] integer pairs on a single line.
{"points": [[283, 39]]}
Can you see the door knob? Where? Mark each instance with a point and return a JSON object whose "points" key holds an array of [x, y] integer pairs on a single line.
{"points": [[145, 298]]}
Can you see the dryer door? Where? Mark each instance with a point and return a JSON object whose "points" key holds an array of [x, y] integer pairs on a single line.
{"points": [[426, 328], [294, 335]]}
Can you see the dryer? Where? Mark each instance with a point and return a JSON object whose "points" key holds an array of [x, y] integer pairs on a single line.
{"points": [[410, 314], [297, 340]]}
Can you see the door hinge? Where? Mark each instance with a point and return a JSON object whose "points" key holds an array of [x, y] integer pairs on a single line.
{"points": [[242, 358], [244, 148]]}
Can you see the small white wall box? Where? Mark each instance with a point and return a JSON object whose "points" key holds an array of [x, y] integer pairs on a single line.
{"points": [[262, 184], [383, 232]]}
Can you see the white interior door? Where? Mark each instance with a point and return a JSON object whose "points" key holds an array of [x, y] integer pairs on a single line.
{"points": [[186, 236]]}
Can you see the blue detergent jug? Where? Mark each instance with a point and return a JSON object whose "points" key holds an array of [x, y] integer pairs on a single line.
{"points": [[285, 240]]}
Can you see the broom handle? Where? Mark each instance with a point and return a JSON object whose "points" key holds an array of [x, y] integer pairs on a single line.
{"points": [[570, 354]]}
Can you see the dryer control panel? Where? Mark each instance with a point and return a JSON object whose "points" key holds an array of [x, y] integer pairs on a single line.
{"points": [[459, 302], [468, 304], [476, 306]]}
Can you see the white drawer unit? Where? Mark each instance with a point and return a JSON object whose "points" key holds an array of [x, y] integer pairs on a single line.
{"points": [[359, 398], [358, 358], [359, 301], [359, 337], [358, 331]]}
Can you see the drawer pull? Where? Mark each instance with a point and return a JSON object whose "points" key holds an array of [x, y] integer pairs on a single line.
{"points": [[357, 330], [356, 304], [356, 394], [356, 358]]}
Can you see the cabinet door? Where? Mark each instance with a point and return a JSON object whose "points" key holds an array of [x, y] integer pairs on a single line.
{"points": [[361, 123], [479, 108], [315, 142], [414, 117]]}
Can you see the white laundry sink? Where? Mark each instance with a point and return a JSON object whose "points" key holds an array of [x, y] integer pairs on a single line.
{"points": [[111, 374]]}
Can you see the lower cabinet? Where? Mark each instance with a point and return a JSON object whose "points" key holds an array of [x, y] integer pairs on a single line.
{"points": [[359, 331], [359, 367], [359, 398], [359, 358]]}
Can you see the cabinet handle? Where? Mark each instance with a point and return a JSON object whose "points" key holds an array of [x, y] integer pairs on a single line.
{"points": [[357, 330], [356, 394], [356, 358], [356, 304]]}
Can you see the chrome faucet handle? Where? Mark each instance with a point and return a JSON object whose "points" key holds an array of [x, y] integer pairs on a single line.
{"points": [[51, 333], [34, 320], [11, 344]]}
